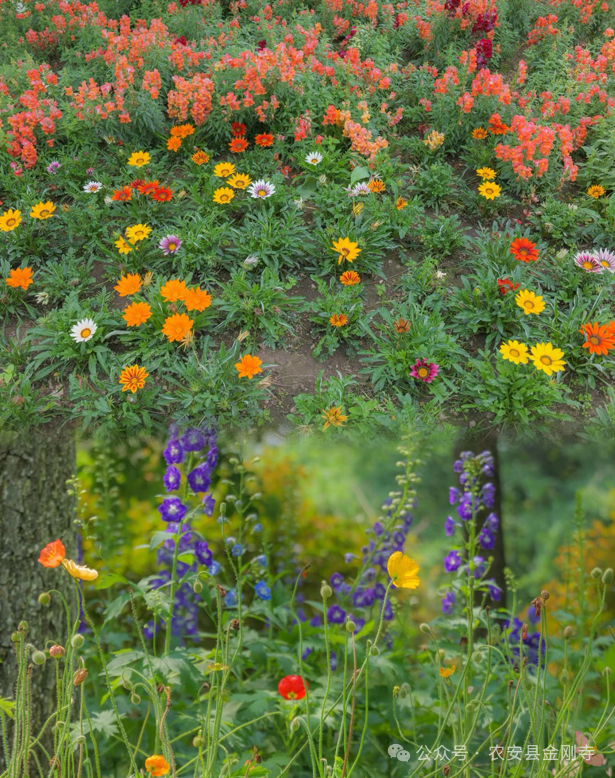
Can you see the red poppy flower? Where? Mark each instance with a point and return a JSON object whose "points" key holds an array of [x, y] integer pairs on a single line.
{"points": [[237, 128], [292, 687], [506, 285], [264, 140], [237, 145], [53, 554], [162, 194], [524, 250]]}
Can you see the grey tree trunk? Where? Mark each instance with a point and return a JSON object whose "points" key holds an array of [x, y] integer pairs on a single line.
{"points": [[35, 509]]}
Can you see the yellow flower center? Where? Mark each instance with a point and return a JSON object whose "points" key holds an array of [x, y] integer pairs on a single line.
{"points": [[595, 340], [45, 212], [546, 360], [86, 332], [292, 696], [423, 372], [514, 353], [529, 304], [262, 192], [588, 265], [11, 222], [172, 246]]}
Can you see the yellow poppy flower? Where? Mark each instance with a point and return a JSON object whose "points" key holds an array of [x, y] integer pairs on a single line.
{"points": [[79, 571], [403, 571], [446, 672]]}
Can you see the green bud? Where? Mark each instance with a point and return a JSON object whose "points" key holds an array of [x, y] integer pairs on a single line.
{"points": [[135, 699], [404, 691], [294, 725], [374, 651], [608, 576], [350, 626], [568, 632], [596, 573], [425, 628], [326, 591], [198, 742], [44, 598], [197, 587], [607, 671], [39, 658], [15, 637], [77, 641], [127, 684], [23, 625]]}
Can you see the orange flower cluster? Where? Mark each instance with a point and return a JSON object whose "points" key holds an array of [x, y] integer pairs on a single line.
{"points": [[178, 134]]}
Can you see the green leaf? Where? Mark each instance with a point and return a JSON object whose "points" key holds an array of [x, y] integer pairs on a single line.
{"points": [[106, 580], [358, 174]]}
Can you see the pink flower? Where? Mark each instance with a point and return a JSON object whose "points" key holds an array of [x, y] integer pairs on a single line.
{"points": [[424, 371]]}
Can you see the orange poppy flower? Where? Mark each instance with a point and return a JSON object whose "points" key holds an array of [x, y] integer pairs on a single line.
{"points": [[197, 299], [173, 290], [237, 145], [176, 327], [524, 250], [173, 143], [157, 766], [264, 140], [20, 277], [338, 319], [137, 314], [122, 195], [600, 340], [350, 278], [248, 366], [129, 284], [53, 554]]}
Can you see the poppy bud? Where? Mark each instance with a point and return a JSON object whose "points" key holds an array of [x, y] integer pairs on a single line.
{"points": [[135, 699], [608, 576], [77, 641], [198, 742], [15, 637], [294, 725], [374, 651], [446, 770], [57, 652], [127, 684], [23, 625], [197, 588], [350, 626], [325, 591], [545, 595], [607, 671], [568, 632], [425, 628], [39, 658], [596, 573], [404, 691], [80, 676], [44, 598], [524, 632]]}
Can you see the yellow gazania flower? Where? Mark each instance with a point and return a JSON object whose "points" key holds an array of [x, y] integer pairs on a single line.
{"points": [[43, 210], [79, 571], [139, 159], [596, 191], [333, 417], [446, 672], [137, 232], [10, 220], [223, 195], [224, 170], [123, 246], [530, 302], [400, 203], [403, 571], [489, 190], [515, 352], [547, 358], [357, 208], [486, 173], [239, 181], [346, 250]]}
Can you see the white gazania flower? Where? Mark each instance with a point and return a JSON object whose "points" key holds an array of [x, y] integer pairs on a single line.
{"points": [[314, 158], [83, 330], [92, 186], [261, 189], [361, 189], [251, 260]]}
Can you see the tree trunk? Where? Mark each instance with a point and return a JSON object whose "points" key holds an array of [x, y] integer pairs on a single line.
{"points": [[35, 509]]}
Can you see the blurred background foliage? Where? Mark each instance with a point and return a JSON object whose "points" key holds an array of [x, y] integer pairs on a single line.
{"points": [[318, 499]]}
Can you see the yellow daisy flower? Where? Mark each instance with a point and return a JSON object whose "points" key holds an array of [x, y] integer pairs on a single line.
{"points": [[10, 220], [596, 191], [139, 159], [515, 352], [530, 302], [123, 246], [223, 195], [486, 173], [346, 249], [489, 190], [137, 232], [224, 170], [547, 358], [239, 181], [43, 210]]}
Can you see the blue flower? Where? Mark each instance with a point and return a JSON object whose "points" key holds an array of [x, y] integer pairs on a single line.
{"points": [[363, 598], [494, 591], [237, 549], [305, 654], [199, 479], [486, 539], [337, 579], [336, 615], [257, 527], [230, 599], [348, 557], [452, 561], [448, 603], [263, 591], [172, 478], [453, 495], [261, 559], [203, 552], [172, 509], [468, 505], [449, 526], [193, 440], [214, 568], [492, 522], [173, 453], [487, 495], [208, 505]]}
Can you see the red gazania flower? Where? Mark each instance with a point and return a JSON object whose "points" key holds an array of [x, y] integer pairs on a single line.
{"points": [[264, 140], [148, 187], [237, 145], [237, 128], [599, 340], [137, 183], [162, 194], [524, 250], [292, 687], [507, 285], [123, 194]]}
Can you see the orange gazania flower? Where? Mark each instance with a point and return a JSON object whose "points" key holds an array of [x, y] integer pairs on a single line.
{"points": [[173, 290], [350, 278], [176, 327], [338, 319], [173, 143], [524, 250], [600, 340], [53, 554], [264, 140], [157, 766], [200, 157], [375, 186], [148, 187], [249, 366], [137, 314], [182, 130], [20, 277], [480, 133], [196, 299], [122, 195], [133, 378], [400, 203], [237, 145], [129, 284], [162, 194], [238, 129], [401, 326]]}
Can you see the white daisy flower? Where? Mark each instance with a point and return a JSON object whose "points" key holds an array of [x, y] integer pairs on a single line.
{"points": [[314, 158], [251, 260], [92, 186], [83, 330], [361, 189], [259, 190]]}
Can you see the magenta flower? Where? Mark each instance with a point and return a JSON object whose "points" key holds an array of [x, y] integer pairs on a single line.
{"points": [[606, 258], [53, 167], [588, 262], [170, 245], [424, 371]]}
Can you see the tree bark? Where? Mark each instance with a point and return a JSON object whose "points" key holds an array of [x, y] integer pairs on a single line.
{"points": [[35, 509]]}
